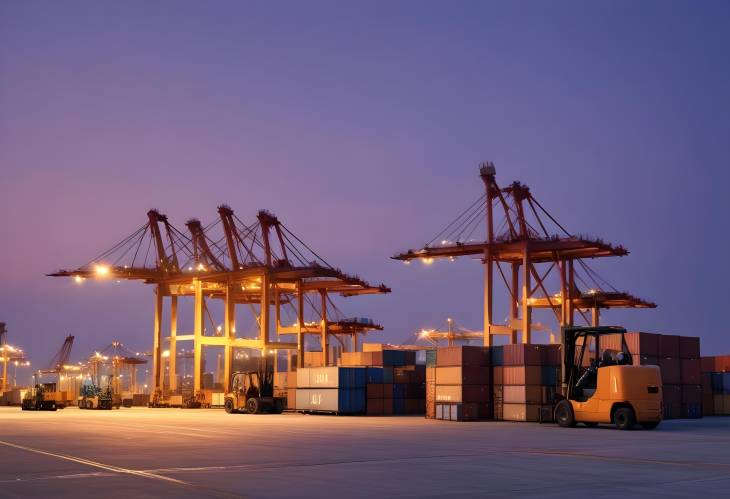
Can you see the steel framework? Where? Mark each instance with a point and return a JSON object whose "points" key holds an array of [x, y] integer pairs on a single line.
{"points": [[522, 240], [262, 265]]}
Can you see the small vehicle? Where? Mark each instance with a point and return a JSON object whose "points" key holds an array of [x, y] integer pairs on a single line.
{"points": [[35, 401], [253, 392], [610, 389], [93, 397]]}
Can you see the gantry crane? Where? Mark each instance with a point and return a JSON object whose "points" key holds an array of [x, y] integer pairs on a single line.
{"points": [[8, 354], [261, 265], [533, 246]]}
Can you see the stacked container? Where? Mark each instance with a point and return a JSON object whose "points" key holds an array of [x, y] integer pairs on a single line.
{"points": [[716, 385], [338, 390], [395, 383], [458, 386], [525, 379], [679, 360]]}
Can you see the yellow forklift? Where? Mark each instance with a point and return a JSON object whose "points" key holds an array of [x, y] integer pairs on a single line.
{"points": [[34, 399], [253, 392], [609, 389]]}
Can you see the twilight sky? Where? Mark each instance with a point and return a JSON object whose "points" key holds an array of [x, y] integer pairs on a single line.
{"points": [[361, 126]]}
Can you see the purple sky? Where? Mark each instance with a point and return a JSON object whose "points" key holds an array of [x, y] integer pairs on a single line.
{"points": [[361, 126]]}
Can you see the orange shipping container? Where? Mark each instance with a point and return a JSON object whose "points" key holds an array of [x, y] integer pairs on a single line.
{"points": [[520, 412], [462, 375], [523, 394]]}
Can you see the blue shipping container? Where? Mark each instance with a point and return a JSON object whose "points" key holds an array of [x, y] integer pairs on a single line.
{"points": [[375, 375]]}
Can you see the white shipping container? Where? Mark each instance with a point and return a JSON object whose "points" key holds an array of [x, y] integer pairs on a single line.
{"points": [[324, 377], [317, 399], [303, 377]]}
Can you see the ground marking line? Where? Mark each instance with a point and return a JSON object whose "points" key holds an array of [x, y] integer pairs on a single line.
{"points": [[95, 464], [125, 471]]}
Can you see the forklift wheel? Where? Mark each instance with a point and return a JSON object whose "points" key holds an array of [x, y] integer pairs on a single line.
{"points": [[278, 406], [228, 405], [252, 405], [81, 404], [564, 414], [624, 418]]}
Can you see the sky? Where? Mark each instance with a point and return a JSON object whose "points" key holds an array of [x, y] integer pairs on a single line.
{"points": [[361, 125]]}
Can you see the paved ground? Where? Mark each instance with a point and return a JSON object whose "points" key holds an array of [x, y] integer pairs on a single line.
{"points": [[207, 453]]}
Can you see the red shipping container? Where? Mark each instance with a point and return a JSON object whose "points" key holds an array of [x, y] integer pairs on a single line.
{"points": [[522, 375], [550, 355], [375, 407], [388, 407], [672, 411], [521, 355], [388, 391], [708, 404], [375, 390], [498, 375], [672, 394], [671, 371], [668, 345], [640, 360], [462, 356], [691, 394], [706, 382], [722, 363], [690, 372], [707, 364], [689, 347], [645, 344]]}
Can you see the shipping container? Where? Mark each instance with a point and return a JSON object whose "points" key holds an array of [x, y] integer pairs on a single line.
{"points": [[520, 412], [338, 400], [707, 364], [520, 354], [671, 370], [689, 347], [468, 356], [331, 377], [643, 344], [668, 345], [550, 355], [690, 371], [523, 394], [430, 358], [458, 375], [462, 393], [522, 375]]}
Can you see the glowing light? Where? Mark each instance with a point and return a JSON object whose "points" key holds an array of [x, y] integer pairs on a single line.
{"points": [[102, 270], [592, 291], [190, 268], [407, 262], [166, 354], [78, 279], [201, 266], [427, 260], [219, 328]]}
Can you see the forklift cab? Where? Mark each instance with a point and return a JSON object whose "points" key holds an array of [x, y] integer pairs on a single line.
{"points": [[246, 385], [583, 358]]}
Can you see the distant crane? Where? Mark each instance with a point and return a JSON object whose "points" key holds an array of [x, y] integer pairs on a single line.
{"points": [[58, 361], [8, 354]]}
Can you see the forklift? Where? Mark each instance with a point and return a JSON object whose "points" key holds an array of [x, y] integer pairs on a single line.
{"points": [[93, 397], [609, 389], [34, 400], [253, 392]]}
